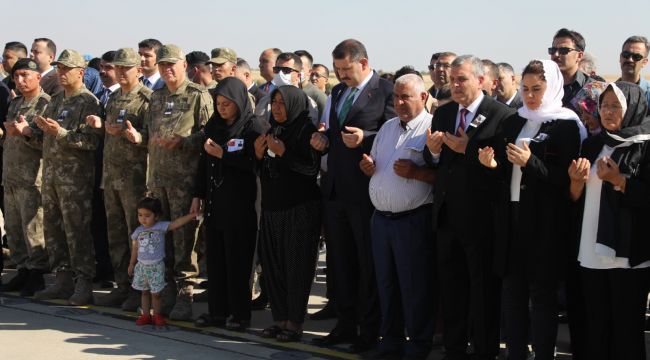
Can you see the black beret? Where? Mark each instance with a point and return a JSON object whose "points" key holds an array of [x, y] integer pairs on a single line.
{"points": [[24, 63]]}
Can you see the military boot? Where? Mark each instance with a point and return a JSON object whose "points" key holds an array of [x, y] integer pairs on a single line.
{"points": [[183, 308], [34, 283], [133, 300], [83, 292], [62, 288], [114, 298], [18, 281], [168, 298]]}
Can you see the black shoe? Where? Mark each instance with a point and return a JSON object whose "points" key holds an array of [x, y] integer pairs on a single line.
{"points": [[201, 297], [328, 312], [337, 336], [18, 281], [34, 283], [363, 344], [260, 302], [206, 320]]}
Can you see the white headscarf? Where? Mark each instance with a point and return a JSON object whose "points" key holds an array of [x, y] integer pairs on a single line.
{"points": [[551, 107]]}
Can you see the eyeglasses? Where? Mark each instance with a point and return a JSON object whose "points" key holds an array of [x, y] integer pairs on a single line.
{"points": [[561, 51], [635, 56], [316, 75], [439, 66], [285, 70]]}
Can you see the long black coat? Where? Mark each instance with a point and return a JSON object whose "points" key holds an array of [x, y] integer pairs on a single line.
{"points": [[538, 241]]}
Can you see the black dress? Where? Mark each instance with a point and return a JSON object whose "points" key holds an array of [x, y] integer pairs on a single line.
{"points": [[228, 188], [291, 210]]}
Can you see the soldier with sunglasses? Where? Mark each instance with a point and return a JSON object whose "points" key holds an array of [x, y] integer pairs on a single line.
{"points": [[633, 57]]}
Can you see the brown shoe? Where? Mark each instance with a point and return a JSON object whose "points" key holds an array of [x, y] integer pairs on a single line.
{"points": [[62, 288]]}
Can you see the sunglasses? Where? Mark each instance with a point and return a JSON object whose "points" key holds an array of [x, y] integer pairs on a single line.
{"points": [[635, 56], [285, 70], [439, 66], [561, 51]]}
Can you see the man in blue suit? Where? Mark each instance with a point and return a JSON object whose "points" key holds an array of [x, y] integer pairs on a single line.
{"points": [[361, 103]]}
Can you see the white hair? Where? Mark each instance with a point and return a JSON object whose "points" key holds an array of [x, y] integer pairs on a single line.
{"points": [[411, 79]]}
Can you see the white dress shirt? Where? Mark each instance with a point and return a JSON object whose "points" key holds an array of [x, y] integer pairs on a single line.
{"points": [[388, 191]]}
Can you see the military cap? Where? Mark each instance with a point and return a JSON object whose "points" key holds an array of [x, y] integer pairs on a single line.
{"points": [[170, 53], [24, 63], [196, 57], [222, 55], [126, 57], [70, 58]]}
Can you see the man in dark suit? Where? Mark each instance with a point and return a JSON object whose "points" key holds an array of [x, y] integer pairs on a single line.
{"points": [[361, 103], [506, 90], [462, 211], [44, 52]]}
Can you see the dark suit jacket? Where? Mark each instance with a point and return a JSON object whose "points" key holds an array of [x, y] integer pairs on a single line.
{"points": [[345, 182], [465, 190], [537, 241], [256, 92], [517, 102], [50, 83]]}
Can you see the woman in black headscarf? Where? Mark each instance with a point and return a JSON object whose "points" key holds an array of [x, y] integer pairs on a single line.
{"points": [[226, 184], [611, 185], [291, 210]]}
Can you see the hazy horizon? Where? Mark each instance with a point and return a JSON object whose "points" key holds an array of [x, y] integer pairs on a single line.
{"points": [[395, 34]]}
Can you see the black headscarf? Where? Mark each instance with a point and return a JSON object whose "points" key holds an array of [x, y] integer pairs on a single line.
{"points": [[217, 129], [296, 104], [629, 141], [635, 122], [297, 125]]}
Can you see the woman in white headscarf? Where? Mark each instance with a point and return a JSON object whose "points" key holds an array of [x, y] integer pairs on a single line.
{"points": [[540, 141], [610, 183]]}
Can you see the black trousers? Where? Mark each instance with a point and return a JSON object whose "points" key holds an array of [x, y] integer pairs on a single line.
{"points": [[355, 288], [229, 255], [518, 290], [615, 304], [470, 293], [404, 253], [288, 249]]}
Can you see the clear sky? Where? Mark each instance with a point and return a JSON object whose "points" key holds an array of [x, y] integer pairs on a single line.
{"points": [[395, 32]]}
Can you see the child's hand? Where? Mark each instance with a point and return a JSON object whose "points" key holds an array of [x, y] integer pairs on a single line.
{"points": [[130, 269]]}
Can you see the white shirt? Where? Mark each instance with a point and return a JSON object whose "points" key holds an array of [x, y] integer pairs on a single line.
{"points": [[153, 78], [589, 254], [47, 71], [471, 111], [511, 98], [344, 96], [388, 191]]}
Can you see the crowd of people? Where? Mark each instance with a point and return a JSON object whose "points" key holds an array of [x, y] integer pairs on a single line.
{"points": [[476, 208]]}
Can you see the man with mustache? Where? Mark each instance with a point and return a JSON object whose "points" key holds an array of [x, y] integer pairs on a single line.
{"points": [[633, 57]]}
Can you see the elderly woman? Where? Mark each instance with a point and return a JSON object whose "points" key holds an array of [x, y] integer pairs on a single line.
{"points": [[291, 210], [540, 141], [226, 184], [611, 185]]}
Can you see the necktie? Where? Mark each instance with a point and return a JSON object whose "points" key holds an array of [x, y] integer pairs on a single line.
{"points": [[347, 105], [146, 82], [104, 98], [461, 123]]}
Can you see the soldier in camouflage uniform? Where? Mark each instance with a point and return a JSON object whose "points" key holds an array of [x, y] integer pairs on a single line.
{"points": [[177, 113], [68, 178], [21, 177], [124, 171]]}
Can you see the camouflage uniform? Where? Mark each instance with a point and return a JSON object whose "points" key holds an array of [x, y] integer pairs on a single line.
{"points": [[172, 173], [21, 177], [124, 176], [68, 178]]}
